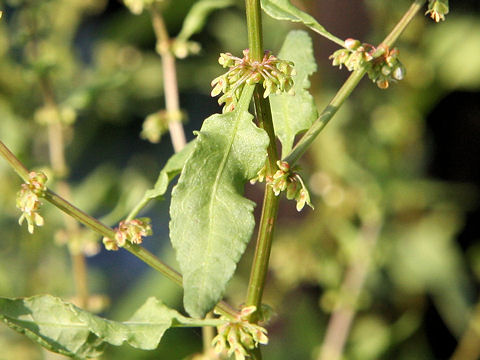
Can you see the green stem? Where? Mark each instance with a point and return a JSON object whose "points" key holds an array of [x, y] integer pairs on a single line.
{"points": [[468, 347], [269, 210], [326, 115], [347, 88], [14, 163], [270, 205], [254, 24], [139, 207], [172, 102], [146, 256]]}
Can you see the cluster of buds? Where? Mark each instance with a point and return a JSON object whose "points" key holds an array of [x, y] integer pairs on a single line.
{"points": [[274, 74], [131, 230], [286, 179], [437, 9], [382, 69], [239, 336], [156, 124], [137, 6], [28, 200], [47, 115]]}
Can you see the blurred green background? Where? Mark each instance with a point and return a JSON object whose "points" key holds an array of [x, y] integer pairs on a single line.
{"points": [[394, 178]]}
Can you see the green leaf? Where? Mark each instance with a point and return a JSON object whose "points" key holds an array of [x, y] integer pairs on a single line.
{"points": [[196, 17], [172, 168], [211, 222], [284, 10], [66, 329], [294, 114]]}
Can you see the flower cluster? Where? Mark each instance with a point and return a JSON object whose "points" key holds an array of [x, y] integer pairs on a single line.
{"points": [[156, 124], [28, 200], [437, 9], [137, 6], [239, 336], [382, 69], [274, 74], [47, 115], [131, 230], [289, 180]]}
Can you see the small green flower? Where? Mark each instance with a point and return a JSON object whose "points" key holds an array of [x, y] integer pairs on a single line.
{"points": [[133, 231], [286, 179], [28, 200], [437, 9], [274, 74], [137, 6], [239, 336], [382, 70]]}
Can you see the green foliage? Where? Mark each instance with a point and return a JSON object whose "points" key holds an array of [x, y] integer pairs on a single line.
{"points": [[294, 114], [172, 168], [368, 169], [66, 329], [284, 10], [197, 16], [210, 217]]}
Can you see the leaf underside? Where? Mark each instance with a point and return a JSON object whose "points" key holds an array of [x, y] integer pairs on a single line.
{"points": [[197, 16], [211, 222], [172, 168], [63, 328], [294, 114], [284, 10]]}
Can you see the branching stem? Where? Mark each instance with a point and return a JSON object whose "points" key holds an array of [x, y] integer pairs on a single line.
{"points": [[104, 230], [270, 205], [347, 88], [170, 85], [56, 145]]}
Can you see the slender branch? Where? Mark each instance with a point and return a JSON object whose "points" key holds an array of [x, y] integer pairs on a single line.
{"points": [[468, 347], [341, 320], [14, 163], [208, 333], [169, 80], [347, 88], [56, 144], [104, 230]]}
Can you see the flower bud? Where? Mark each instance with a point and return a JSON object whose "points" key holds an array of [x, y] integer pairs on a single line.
{"points": [[352, 44]]}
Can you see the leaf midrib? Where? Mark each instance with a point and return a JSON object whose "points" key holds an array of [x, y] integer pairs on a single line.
{"points": [[222, 167]]}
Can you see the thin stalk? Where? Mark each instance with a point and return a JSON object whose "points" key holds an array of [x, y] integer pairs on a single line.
{"points": [[208, 333], [347, 88], [56, 144], [468, 347], [14, 163], [270, 204], [147, 257], [169, 80], [341, 320]]}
